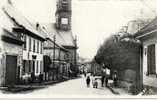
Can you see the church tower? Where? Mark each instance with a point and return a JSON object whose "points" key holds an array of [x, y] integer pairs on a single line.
{"points": [[63, 15]]}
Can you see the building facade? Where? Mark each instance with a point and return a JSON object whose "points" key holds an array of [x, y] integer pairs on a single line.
{"points": [[58, 65], [63, 23], [32, 48], [10, 52], [62, 30], [32, 55], [148, 38]]}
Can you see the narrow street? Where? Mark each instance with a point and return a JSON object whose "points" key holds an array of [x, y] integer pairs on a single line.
{"points": [[72, 87]]}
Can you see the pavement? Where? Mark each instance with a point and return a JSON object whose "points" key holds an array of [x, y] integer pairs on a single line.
{"points": [[150, 80]]}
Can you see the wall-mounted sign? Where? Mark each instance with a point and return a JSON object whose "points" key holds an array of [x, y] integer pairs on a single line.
{"points": [[34, 57]]}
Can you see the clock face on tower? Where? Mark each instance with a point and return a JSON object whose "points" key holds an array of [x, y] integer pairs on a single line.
{"points": [[64, 21]]}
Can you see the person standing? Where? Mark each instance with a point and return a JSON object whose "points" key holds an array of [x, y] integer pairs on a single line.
{"points": [[102, 81], [107, 70], [88, 81], [84, 74], [103, 75], [115, 78]]}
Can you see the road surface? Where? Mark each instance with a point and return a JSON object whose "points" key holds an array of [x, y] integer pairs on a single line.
{"points": [[72, 87]]}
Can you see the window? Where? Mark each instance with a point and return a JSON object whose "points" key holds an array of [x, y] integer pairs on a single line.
{"points": [[24, 39], [64, 21], [41, 66], [41, 48], [32, 40], [34, 45], [24, 65], [30, 65], [36, 49], [37, 67], [30, 43], [37, 46]]}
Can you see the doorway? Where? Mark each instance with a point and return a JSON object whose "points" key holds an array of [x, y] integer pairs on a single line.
{"points": [[151, 59], [11, 68]]}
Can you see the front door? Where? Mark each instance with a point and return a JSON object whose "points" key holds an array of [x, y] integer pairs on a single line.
{"points": [[151, 59], [11, 67]]}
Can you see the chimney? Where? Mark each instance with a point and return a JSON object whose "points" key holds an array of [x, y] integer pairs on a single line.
{"points": [[37, 26]]}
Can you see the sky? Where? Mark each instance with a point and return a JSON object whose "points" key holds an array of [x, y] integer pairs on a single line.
{"points": [[92, 20]]}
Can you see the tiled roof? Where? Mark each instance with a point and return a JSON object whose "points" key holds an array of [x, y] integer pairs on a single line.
{"points": [[148, 28], [64, 38], [17, 17]]}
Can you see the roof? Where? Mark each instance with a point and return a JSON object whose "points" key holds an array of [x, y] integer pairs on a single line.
{"points": [[9, 36], [147, 29], [63, 38], [57, 45], [51, 38], [17, 17]]}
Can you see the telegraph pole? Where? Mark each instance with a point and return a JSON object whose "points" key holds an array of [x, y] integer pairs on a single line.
{"points": [[54, 43], [75, 55]]}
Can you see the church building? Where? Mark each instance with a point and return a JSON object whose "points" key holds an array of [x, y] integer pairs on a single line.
{"points": [[62, 30]]}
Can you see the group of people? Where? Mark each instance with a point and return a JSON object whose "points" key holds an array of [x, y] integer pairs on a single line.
{"points": [[104, 79], [94, 81]]}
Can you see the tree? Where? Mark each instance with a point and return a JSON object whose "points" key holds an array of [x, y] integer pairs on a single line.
{"points": [[119, 54]]}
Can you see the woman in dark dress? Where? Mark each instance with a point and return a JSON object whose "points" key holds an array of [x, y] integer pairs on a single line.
{"points": [[88, 81]]}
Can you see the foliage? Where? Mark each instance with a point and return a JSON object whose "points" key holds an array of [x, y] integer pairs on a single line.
{"points": [[119, 54]]}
